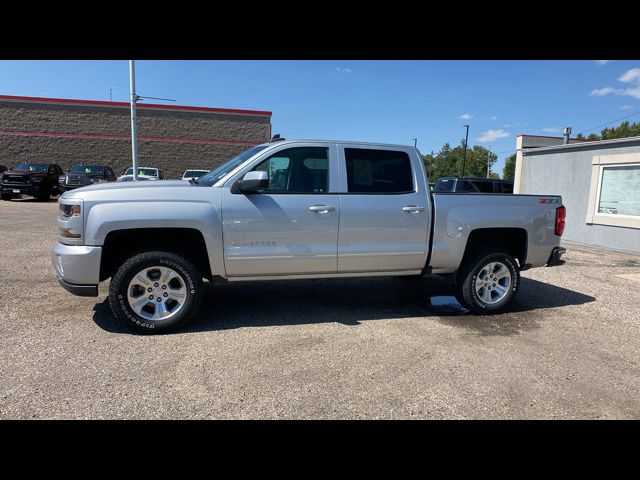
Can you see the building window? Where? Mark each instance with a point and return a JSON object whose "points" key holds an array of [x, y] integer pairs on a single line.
{"points": [[614, 197], [620, 190]]}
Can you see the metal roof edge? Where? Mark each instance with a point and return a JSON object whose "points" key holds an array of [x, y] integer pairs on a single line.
{"points": [[581, 146]]}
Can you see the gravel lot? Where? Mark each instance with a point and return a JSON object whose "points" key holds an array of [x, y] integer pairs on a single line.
{"points": [[320, 349]]}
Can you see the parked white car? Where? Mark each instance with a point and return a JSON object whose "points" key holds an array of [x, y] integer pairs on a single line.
{"points": [[144, 173], [193, 174]]}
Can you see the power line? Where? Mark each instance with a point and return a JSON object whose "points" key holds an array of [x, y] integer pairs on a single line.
{"points": [[609, 123]]}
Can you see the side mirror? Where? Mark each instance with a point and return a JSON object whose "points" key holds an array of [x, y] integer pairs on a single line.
{"points": [[252, 182]]}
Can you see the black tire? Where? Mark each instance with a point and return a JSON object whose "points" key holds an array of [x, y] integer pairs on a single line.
{"points": [[466, 292], [6, 197], [43, 197], [188, 274]]}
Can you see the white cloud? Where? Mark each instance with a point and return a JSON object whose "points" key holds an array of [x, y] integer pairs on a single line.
{"points": [[601, 62], [632, 75], [551, 129], [633, 92], [465, 116], [493, 135], [506, 125], [347, 70], [601, 92], [626, 92], [491, 118], [627, 107]]}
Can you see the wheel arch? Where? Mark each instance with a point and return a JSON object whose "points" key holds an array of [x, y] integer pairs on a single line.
{"points": [[122, 244], [509, 240]]}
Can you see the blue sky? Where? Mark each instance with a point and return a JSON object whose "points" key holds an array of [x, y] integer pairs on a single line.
{"points": [[385, 101]]}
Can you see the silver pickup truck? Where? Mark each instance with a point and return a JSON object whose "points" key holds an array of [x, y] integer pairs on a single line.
{"points": [[297, 210]]}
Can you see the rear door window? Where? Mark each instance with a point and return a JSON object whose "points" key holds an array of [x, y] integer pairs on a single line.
{"points": [[378, 171]]}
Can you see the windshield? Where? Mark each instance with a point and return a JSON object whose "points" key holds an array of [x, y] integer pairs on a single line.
{"points": [[149, 172], [215, 175], [88, 169], [32, 167], [195, 173]]}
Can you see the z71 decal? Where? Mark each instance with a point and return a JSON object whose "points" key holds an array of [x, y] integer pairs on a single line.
{"points": [[549, 200]]}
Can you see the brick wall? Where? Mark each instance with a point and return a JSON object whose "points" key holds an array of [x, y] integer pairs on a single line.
{"points": [[180, 139]]}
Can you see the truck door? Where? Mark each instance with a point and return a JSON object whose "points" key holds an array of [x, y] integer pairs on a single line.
{"points": [[384, 211], [290, 227]]}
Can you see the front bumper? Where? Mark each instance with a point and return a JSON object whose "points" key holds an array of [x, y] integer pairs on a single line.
{"points": [[77, 268], [79, 290], [32, 189], [554, 259]]}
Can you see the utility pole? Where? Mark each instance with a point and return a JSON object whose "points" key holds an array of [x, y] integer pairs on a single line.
{"points": [[415, 142], [134, 133], [464, 155], [111, 89], [488, 159]]}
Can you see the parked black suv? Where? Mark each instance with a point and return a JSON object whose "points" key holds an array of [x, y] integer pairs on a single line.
{"points": [[39, 180], [83, 175], [473, 185]]}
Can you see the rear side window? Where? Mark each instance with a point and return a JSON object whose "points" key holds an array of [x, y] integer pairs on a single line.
{"points": [[445, 185], [378, 171], [477, 186]]}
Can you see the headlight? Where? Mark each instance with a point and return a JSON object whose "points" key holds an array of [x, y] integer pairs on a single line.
{"points": [[70, 210], [61, 179]]}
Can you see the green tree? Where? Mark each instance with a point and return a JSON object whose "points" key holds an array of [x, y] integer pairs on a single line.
{"points": [[448, 162], [592, 136], [625, 129], [509, 170]]}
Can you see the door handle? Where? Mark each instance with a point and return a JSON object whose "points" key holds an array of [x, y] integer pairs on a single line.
{"points": [[321, 208], [412, 209]]}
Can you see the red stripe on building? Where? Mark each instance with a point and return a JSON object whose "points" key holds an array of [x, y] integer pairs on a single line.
{"points": [[125, 137], [103, 103]]}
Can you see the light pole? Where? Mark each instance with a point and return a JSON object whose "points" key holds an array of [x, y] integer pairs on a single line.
{"points": [[464, 155], [111, 89], [134, 133], [415, 142]]}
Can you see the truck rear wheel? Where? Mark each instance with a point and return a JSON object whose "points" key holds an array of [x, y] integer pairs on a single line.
{"points": [[155, 292], [488, 282]]}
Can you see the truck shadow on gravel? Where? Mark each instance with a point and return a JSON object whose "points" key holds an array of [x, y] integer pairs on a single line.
{"points": [[350, 302]]}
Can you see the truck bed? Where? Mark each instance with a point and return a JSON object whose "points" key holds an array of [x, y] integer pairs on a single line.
{"points": [[455, 215]]}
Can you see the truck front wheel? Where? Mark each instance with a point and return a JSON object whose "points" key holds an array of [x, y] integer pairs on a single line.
{"points": [[488, 282], [156, 291]]}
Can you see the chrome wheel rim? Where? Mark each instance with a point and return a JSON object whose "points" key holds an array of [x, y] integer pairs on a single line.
{"points": [[493, 282], [156, 293]]}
